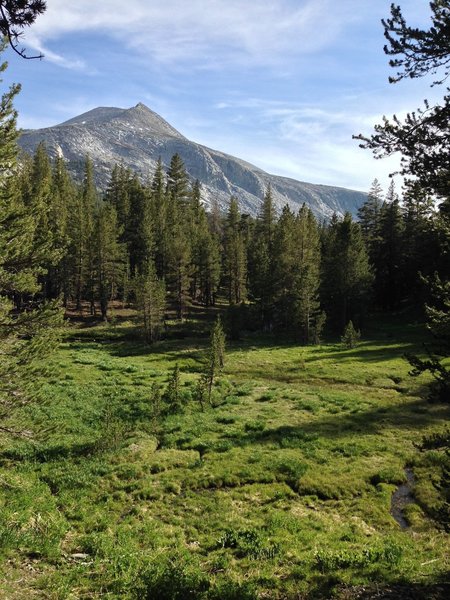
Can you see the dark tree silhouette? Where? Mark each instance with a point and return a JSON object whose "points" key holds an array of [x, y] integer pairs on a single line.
{"points": [[15, 16], [422, 137]]}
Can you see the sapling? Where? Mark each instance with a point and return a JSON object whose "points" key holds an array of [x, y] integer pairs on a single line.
{"points": [[351, 336]]}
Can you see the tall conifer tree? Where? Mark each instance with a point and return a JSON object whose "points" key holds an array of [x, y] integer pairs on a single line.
{"points": [[27, 334], [306, 280], [179, 251], [235, 263], [369, 215], [63, 195], [89, 206], [389, 257], [159, 215], [109, 257], [346, 274], [261, 267]]}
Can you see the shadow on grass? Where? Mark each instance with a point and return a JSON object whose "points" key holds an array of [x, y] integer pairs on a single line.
{"points": [[167, 349], [396, 591], [364, 352], [418, 414], [126, 341], [49, 453]]}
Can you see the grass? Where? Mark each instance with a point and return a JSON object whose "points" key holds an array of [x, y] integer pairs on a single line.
{"points": [[282, 490]]}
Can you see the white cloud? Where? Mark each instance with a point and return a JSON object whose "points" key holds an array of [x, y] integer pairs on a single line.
{"points": [[324, 161], [179, 31], [310, 143], [75, 64]]}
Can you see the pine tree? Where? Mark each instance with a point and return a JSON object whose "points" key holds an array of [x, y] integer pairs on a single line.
{"points": [[205, 255], [159, 217], [179, 246], [178, 181], [90, 202], [369, 217], [422, 248], [306, 275], [389, 254], [179, 260], [206, 262], [172, 394], [284, 266], [215, 357], [195, 202], [297, 273], [139, 235], [150, 294], [194, 221], [235, 267], [81, 234], [15, 17], [50, 211], [438, 315], [422, 136], [118, 195], [351, 336], [61, 211], [346, 274], [109, 257], [215, 218], [28, 333], [261, 266]]}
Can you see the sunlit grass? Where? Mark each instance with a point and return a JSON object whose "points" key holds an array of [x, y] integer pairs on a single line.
{"points": [[283, 486]]}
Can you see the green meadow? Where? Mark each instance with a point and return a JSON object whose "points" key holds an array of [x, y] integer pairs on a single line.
{"points": [[281, 489]]}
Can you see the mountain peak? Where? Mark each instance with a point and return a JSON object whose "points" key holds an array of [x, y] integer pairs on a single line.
{"points": [[141, 115], [137, 137], [142, 106]]}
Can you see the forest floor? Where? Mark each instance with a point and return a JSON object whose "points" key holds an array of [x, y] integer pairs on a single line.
{"points": [[281, 490]]}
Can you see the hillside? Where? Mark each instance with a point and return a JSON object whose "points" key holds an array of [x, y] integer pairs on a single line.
{"points": [[137, 137]]}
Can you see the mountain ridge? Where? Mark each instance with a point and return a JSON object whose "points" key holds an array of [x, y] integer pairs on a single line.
{"points": [[136, 137]]}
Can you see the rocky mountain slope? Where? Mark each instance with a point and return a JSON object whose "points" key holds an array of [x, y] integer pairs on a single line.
{"points": [[137, 137]]}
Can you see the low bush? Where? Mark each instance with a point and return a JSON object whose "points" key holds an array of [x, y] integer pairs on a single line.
{"points": [[356, 558], [249, 543]]}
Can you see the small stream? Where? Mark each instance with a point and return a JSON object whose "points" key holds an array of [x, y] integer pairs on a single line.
{"points": [[403, 496]]}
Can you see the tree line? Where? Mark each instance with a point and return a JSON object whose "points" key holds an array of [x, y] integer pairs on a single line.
{"points": [[153, 245]]}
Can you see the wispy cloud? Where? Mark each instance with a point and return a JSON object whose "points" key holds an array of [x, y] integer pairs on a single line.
{"points": [[177, 31], [76, 64], [311, 143]]}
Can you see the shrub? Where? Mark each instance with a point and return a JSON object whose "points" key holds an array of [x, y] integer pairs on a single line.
{"points": [[291, 470], [229, 590], [225, 420], [174, 579], [346, 558], [256, 426], [249, 542]]}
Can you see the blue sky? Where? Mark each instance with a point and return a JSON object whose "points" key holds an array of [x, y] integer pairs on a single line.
{"points": [[282, 84]]}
